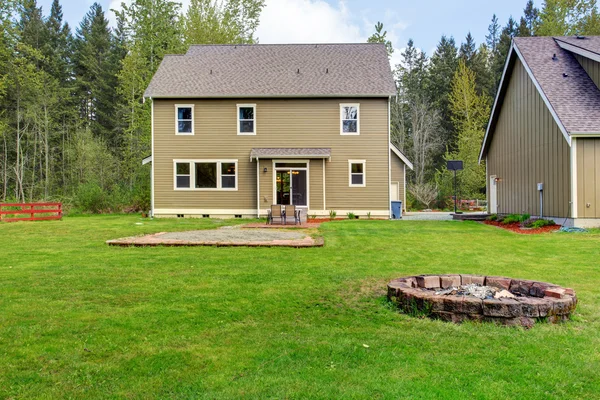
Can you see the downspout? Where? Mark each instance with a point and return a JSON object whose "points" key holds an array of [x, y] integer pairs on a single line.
{"points": [[153, 162], [257, 187], [324, 197], [389, 142]]}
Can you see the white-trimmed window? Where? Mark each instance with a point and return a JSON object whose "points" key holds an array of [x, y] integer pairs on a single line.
{"points": [[184, 119], [246, 119], [357, 173], [205, 174], [349, 119], [182, 175]]}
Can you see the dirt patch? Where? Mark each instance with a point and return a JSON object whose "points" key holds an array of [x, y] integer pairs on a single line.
{"points": [[516, 227], [224, 237]]}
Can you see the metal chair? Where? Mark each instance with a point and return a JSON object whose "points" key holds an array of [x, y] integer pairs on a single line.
{"points": [[291, 212], [274, 213]]}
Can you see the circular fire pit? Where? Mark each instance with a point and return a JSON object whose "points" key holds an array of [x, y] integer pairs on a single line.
{"points": [[506, 301]]}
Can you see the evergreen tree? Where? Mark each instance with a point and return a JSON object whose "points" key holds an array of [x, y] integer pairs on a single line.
{"points": [[470, 112], [58, 46], [499, 58], [529, 20], [442, 67], [468, 49], [493, 37], [380, 36], [477, 60], [95, 73]]}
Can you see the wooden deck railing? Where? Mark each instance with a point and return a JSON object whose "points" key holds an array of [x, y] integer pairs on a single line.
{"points": [[9, 211]]}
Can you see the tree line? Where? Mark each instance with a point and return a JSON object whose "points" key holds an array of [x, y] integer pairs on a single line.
{"points": [[74, 125], [443, 102]]}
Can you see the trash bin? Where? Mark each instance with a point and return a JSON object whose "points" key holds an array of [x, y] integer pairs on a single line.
{"points": [[396, 209]]}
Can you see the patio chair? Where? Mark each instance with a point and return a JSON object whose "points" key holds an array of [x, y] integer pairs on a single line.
{"points": [[275, 213], [291, 212]]}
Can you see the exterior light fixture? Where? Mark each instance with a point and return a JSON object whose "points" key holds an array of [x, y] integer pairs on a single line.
{"points": [[265, 169]]}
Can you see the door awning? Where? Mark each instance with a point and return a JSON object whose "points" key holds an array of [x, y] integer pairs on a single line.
{"points": [[268, 153]]}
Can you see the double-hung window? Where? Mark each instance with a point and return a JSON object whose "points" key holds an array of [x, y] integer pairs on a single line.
{"points": [[184, 123], [349, 119], [246, 119], [205, 174], [357, 173], [182, 175]]}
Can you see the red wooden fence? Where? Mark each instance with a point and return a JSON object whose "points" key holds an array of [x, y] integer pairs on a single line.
{"points": [[31, 209]]}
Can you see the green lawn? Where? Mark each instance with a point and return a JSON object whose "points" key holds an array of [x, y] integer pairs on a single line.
{"points": [[79, 319]]}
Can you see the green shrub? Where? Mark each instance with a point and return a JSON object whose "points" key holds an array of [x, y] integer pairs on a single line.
{"points": [[91, 198], [536, 223], [493, 217], [525, 217], [332, 214], [540, 223], [369, 215], [351, 215], [511, 219]]}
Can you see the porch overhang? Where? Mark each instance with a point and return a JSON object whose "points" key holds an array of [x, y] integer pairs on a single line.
{"points": [[270, 153]]}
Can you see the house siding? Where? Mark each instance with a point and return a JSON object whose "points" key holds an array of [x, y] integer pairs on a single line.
{"points": [[588, 177], [398, 176], [279, 123], [591, 67], [528, 148]]}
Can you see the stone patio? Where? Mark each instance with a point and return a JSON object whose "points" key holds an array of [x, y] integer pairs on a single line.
{"points": [[228, 237]]}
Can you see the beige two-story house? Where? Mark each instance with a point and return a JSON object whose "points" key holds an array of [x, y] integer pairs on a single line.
{"points": [[236, 129]]}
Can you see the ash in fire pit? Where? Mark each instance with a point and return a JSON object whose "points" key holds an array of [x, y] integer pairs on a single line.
{"points": [[497, 299]]}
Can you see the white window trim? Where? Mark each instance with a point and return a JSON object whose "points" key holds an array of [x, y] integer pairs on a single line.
{"points": [[238, 120], [364, 173], [342, 105], [307, 169], [193, 175], [177, 107], [177, 175]]}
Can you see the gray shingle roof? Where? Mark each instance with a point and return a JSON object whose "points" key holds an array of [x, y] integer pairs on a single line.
{"points": [[569, 92], [290, 152], [273, 70], [589, 43], [575, 98]]}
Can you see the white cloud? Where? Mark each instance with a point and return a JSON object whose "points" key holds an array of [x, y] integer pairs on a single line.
{"points": [[307, 21]]}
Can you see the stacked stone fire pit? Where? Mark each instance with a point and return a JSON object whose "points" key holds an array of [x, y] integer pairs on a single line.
{"points": [[506, 301]]}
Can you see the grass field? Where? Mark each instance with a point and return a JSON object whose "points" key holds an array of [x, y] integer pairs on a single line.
{"points": [[79, 319]]}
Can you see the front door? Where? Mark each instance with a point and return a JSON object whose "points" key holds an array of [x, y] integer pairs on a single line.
{"points": [[493, 204], [291, 184]]}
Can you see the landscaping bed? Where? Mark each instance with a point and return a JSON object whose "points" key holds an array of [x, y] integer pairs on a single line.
{"points": [[522, 223], [517, 228]]}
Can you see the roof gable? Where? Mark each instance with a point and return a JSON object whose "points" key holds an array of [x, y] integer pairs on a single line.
{"points": [[567, 90], [401, 156], [308, 70]]}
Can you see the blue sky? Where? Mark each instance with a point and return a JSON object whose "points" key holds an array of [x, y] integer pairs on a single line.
{"points": [[301, 21]]}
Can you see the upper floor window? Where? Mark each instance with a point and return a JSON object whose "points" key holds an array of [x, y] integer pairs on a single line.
{"points": [[349, 123], [184, 124], [206, 174], [357, 172], [246, 124]]}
